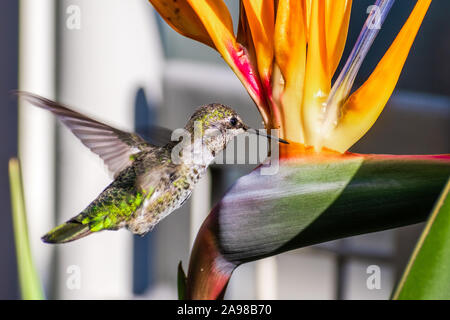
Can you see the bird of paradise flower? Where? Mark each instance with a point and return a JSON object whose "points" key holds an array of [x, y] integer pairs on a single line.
{"points": [[286, 53]]}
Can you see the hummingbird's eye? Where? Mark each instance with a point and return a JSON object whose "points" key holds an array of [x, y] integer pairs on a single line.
{"points": [[233, 121]]}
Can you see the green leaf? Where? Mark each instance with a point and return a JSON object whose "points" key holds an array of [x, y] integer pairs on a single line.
{"points": [[427, 275], [310, 200], [181, 277], [29, 281]]}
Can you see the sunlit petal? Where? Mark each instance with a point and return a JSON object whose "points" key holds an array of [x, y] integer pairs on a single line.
{"points": [[183, 19], [217, 20], [244, 35], [290, 55], [260, 15], [308, 6], [337, 20], [244, 39], [260, 18], [277, 83], [365, 105], [317, 80]]}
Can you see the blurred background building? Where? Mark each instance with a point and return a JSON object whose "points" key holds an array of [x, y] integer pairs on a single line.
{"points": [[120, 63]]}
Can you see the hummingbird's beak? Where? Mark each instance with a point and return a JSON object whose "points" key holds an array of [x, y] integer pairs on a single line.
{"points": [[260, 133]]}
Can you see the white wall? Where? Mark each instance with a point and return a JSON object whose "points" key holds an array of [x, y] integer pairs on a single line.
{"points": [[36, 126], [115, 51]]}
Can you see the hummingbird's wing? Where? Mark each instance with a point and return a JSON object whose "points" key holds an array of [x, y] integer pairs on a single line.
{"points": [[155, 135], [117, 148]]}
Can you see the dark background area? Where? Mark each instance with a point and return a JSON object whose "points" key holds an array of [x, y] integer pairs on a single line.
{"points": [[428, 66], [8, 132]]}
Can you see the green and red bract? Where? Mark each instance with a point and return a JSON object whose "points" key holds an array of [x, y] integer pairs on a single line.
{"points": [[312, 199]]}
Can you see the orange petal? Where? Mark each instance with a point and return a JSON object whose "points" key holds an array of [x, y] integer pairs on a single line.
{"points": [[290, 55], [337, 20], [317, 79], [244, 35], [364, 106], [308, 5], [217, 21], [183, 19], [244, 38], [260, 15]]}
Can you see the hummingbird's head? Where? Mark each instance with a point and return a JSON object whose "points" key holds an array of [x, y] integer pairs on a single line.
{"points": [[216, 124]]}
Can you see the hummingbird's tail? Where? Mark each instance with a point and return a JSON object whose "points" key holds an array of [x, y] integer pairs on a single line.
{"points": [[66, 232]]}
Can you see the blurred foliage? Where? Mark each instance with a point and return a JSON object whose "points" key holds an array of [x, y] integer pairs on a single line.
{"points": [[30, 285], [427, 275]]}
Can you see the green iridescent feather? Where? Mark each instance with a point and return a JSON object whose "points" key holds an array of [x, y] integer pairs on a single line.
{"points": [[108, 214]]}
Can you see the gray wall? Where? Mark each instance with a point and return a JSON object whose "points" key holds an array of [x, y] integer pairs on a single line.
{"points": [[8, 132]]}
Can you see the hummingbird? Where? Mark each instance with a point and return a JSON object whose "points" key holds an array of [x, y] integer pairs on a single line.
{"points": [[148, 184]]}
